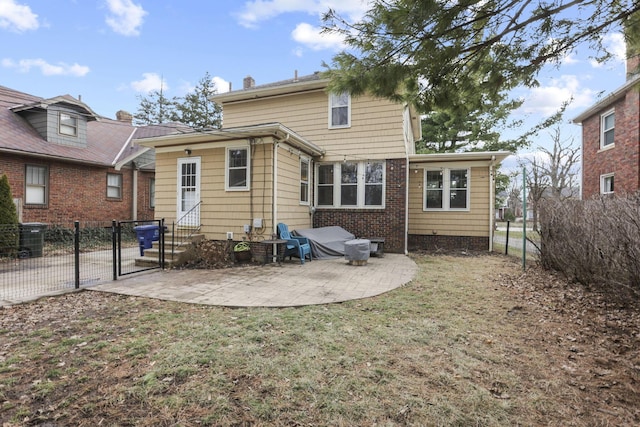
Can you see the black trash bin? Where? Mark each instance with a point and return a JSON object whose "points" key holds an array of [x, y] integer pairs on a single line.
{"points": [[31, 239]]}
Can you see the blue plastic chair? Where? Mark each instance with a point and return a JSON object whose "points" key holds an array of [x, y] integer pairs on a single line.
{"points": [[296, 245]]}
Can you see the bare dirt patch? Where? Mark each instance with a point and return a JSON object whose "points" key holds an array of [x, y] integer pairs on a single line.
{"points": [[473, 340]]}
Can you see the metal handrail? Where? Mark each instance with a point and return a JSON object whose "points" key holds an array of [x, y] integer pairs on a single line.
{"points": [[183, 223]]}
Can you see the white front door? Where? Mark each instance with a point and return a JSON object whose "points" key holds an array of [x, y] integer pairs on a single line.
{"points": [[188, 191]]}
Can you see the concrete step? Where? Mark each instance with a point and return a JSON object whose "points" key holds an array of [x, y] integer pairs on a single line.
{"points": [[174, 255]]}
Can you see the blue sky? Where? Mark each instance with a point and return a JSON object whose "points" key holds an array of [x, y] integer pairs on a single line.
{"points": [[112, 51]]}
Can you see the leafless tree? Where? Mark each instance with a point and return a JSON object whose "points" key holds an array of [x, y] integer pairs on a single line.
{"points": [[552, 173]]}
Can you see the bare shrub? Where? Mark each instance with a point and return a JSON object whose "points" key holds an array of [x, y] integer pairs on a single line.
{"points": [[594, 242], [212, 254]]}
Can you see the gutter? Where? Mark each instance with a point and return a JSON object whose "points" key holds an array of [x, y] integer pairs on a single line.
{"points": [[53, 157], [126, 143]]}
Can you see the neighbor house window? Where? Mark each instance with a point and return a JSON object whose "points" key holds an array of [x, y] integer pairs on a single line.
{"points": [[152, 193], [608, 123], [237, 168], [351, 185], [304, 181], [114, 186], [339, 110], [446, 189], [606, 184], [68, 124], [36, 182]]}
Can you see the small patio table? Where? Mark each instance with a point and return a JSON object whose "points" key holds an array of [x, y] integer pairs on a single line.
{"points": [[279, 251]]}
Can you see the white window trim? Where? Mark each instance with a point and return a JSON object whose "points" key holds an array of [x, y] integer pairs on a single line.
{"points": [[603, 179], [330, 113], [119, 186], [44, 186], [602, 130], [308, 182], [60, 125], [446, 190], [226, 169], [337, 184]]}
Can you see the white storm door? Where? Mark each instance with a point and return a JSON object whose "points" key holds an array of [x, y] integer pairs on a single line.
{"points": [[188, 191]]}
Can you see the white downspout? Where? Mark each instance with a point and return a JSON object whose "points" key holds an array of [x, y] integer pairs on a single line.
{"points": [[492, 208], [134, 202], [274, 200]]}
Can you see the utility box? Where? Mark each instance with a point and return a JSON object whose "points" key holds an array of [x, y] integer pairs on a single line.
{"points": [[31, 239]]}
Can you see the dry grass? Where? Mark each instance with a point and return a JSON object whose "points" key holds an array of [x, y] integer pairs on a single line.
{"points": [[471, 342]]}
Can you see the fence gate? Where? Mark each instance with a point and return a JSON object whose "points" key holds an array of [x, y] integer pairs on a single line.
{"points": [[147, 253]]}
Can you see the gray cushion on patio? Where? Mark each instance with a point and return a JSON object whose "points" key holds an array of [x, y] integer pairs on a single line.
{"points": [[326, 242]]}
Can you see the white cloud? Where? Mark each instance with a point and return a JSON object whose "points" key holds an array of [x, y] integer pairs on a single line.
{"points": [[616, 45], [257, 11], [313, 38], [546, 100], [59, 69], [222, 86], [149, 83], [17, 17], [126, 17]]}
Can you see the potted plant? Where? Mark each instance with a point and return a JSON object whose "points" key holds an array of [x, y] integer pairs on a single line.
{"points": [[242, 251]]}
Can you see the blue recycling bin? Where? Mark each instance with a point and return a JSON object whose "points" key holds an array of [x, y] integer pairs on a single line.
{"points": [[146, 235]]}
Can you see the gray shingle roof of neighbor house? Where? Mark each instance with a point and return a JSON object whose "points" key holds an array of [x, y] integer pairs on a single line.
{"points": [[108, 140]]}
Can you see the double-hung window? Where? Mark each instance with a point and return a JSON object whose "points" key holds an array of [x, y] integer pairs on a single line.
{"points": [[446, 189], [607, 126], [36, 183], [606, 184], [68, 124], [114, 186], [237, 177], [339, 110], [304, 181], [351, 185]]}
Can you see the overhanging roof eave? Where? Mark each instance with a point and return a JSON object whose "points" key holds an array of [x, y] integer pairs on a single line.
{"points": [[488, 156]]}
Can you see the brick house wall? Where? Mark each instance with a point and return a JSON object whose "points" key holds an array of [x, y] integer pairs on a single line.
{"points": [[436, 242], [387, 223], [144, 209], [75, 192], [623, 159]]}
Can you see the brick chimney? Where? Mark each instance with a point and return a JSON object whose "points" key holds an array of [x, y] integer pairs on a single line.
{"points": [[248, 83], [124, 116]]}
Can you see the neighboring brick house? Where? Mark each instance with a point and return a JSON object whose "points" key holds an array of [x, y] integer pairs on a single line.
{"points": [[64, 162], [291, 152], [611, 140]]}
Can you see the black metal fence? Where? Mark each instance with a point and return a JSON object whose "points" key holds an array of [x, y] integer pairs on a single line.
{"points": [[40, 259]]}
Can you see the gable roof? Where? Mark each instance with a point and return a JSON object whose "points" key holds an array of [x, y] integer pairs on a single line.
{"points": [[108, 140], [614, 96]]}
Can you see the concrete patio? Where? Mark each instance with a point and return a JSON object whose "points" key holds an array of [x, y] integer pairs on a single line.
{"points": [[292, 284]]}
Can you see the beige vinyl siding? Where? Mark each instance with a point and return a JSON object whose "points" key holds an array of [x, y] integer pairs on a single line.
{"points": [[290, 211], [221, 211], [376, 130], [166, 186], [474, 222]]}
